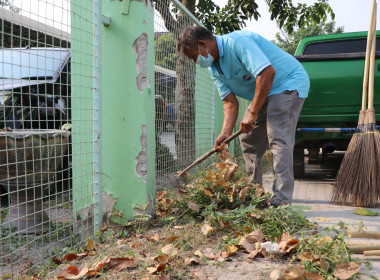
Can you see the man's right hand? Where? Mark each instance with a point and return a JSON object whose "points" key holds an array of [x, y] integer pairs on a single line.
{"points": [[222, 136]]}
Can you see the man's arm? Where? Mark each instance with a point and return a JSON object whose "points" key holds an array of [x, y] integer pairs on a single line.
{"points": [[230, 113], [264, 83]]}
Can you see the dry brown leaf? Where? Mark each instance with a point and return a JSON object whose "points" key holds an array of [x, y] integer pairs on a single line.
{"points": [[73, 272], [225, 153], [119, 264], [210, 176], [258, 215], [56, 260], [221, 166], [314, 276], [259, 191], [223, 184], [96, 267], [223, 255], [160, 195], [207, 193], [206, 229], [232, 193], [159, 268], [181, 190], [231, 250], [193, 206], [135, 245], [243, 194], [192, 261], [71, 257], [210, 254], [170, 239], [324, 264], [307, 256], [228, 168], [346, 270], [162, 258], [253, 254], [276, 274], [121, 241], [224, 224], [198, 254], [287, 243], [154, 237], [248, 242], [229, 173], [169, 250], [295, 273]]}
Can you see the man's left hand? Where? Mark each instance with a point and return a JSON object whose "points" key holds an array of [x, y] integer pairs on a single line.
{"points": [[248, 122]]}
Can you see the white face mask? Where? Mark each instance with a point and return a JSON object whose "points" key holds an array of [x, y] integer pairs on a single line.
{"points": [[204, 62]]}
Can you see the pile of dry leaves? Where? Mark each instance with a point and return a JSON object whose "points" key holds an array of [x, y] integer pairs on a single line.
{"points": [[216, 218]]}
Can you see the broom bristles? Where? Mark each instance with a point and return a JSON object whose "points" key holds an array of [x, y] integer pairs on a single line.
{"points": [[358, 181]]}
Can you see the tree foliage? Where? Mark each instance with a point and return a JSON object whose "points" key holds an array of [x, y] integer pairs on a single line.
{"points": [[165, 51], [233, 15], [298, 35], [9, 3]]}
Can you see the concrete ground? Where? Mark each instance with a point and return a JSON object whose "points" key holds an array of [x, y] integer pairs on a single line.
{"points": [[314, 191]]}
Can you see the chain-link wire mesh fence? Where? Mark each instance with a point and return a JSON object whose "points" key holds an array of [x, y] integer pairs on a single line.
{"points": [[48, 84], [185, 95]]}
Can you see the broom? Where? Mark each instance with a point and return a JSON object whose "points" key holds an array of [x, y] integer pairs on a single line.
{"points": [[371, 187], [348, 181]]}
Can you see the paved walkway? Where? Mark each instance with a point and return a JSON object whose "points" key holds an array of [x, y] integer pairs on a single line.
{"points": [[314, 191]]}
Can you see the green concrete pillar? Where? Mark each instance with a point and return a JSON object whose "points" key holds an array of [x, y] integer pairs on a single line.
{"points": [[82, 61], [128, 111]]}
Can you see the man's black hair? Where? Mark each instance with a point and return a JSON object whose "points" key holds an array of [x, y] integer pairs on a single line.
{"points": [[191, 35]]}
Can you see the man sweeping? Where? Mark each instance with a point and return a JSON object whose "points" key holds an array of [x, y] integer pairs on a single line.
{"points": [[245, 64]]}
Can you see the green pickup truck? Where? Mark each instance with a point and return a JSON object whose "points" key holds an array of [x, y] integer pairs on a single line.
{"points": [[335, 65]]}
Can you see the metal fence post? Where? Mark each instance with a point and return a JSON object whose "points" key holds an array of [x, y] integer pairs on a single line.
{"points": [[97, 136]]}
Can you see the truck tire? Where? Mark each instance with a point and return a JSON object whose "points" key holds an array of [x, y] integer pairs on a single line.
{"points": [[298, 163]]}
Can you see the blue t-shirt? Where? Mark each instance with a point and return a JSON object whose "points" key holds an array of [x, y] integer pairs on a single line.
{"points": [[243, 55]]}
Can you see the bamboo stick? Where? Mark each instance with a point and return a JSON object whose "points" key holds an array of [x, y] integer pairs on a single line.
{"points": [[367, 56], [372, 253], [364, 234], [372, 64], [365, 247]]}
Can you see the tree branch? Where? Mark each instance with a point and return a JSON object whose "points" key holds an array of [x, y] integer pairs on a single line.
{"points": [[162, 6]]}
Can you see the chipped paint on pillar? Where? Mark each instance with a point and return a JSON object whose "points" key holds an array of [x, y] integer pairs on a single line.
{"points": [[142, 158], [146, 2], [140, 46], [128, 146]]}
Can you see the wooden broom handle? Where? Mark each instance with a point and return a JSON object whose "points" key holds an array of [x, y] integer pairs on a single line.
{"points": [[367, 55], [371, 87], [212, 151]]}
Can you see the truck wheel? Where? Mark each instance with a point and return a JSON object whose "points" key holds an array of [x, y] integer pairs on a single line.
{"points": [[299, 163]]}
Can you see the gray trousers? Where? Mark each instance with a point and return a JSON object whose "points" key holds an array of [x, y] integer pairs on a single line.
{"points": [[275, 126]]}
